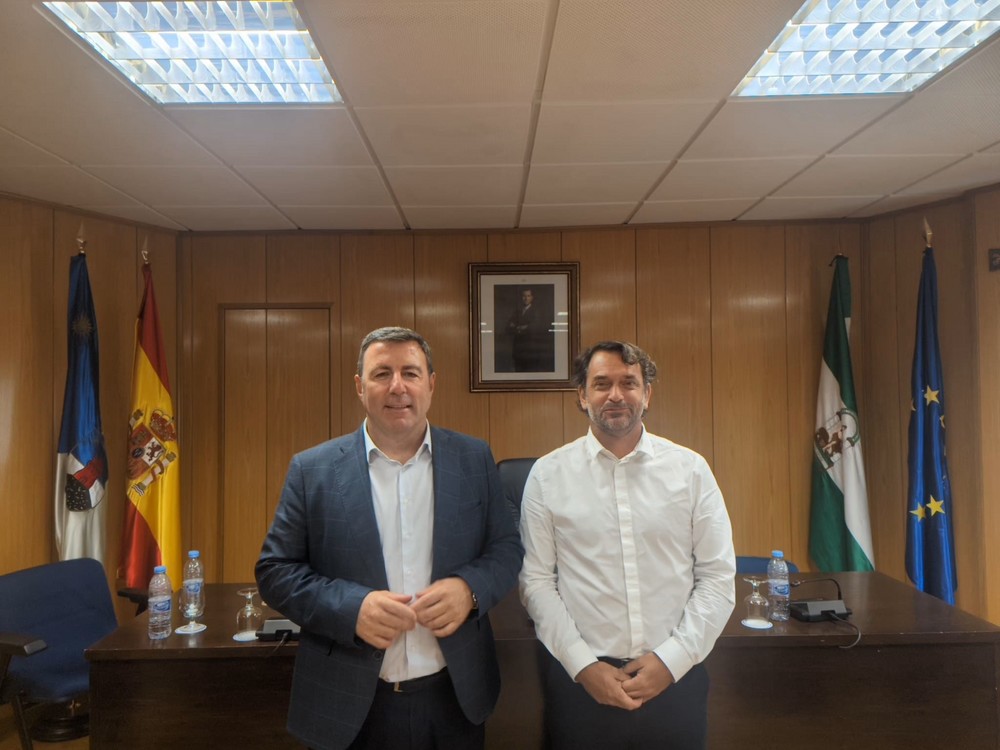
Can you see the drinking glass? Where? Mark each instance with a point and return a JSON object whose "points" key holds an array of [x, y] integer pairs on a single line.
{"points": [[250, 618], [191, 603], [758, 607]]}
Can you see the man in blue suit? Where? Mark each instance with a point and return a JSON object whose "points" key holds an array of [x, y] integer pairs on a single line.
{"points": [[388, 548]]}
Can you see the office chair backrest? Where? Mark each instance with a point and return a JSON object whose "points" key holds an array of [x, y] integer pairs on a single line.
{"points": [[513, 474], [758, 565], [68, 605]]}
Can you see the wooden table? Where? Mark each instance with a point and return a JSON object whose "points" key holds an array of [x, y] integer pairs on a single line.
{"points": [[924, 675]]}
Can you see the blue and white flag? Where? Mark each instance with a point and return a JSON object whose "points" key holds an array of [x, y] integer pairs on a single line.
{"points": [[930, 545], [81, 465]]}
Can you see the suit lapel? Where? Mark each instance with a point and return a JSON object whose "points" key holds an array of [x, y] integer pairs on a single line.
{"points": [[447, 491], [355, 491]]}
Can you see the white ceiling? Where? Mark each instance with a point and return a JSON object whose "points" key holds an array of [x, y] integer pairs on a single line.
{"points": [[493, 114]]}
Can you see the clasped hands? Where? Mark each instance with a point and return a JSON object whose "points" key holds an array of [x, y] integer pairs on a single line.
{"points": [[627, 687], [441, 608]]}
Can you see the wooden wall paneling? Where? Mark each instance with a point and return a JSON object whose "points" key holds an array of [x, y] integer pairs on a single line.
{"points": [[245, 433], [298, 393], [29, 430], [184, 387], [306, 270], [111, 265], [885, 385], [809, 250], [957, 332], [674, 325], [376, 285], [441, 302], [526, 424], [987, 224], [225, 270], [607, 298], [750, 384]]}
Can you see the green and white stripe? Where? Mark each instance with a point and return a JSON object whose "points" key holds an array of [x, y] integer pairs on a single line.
{"points": [[840, 536]]}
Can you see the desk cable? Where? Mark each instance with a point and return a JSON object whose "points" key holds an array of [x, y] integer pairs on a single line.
{"points": [[836, 618], [284, 639]]}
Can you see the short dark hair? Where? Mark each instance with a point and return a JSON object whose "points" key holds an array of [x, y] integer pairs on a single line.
{"points": [[630, 354], [396, 335]]}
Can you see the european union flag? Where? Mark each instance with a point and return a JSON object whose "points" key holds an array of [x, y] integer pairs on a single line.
{"points": [[930, 544]]}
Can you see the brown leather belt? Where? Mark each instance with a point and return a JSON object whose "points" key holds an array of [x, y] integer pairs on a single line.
{"points": [[417, 683]]}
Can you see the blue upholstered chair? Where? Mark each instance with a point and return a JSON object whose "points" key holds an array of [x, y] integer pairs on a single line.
{"points": [[758, 565], [49, 615], [513, 474]]}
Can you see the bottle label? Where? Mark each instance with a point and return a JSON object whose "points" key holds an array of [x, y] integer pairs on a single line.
{"points": [[779, 587], [159, 605], [193, 586]]}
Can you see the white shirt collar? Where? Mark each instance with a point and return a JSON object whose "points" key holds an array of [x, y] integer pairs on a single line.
{"points": [[371, 450], [594, 448]]}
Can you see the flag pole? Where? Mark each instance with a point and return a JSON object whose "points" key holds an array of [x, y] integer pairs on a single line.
{"points": [[928, 234]]}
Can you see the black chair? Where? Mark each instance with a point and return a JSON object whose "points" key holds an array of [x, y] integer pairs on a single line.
{"points": [[513, 474], [50, 614], [758, 565]]}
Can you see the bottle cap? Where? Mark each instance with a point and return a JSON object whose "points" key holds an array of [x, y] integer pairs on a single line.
{"points": [[194, 553], [160, 569], [777, 553]]}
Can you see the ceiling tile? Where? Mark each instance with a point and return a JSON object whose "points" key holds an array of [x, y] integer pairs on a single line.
{"points": [[319, 186], [616, 131], [897, 203], [841, 175], [17, 152], [424, 136], [658, 49], [391, 53], [827, 207], [344, 217], [67, 186], [316, 136], [227, 218], [591, 183], [694, 179], [460, 217], [784, 127], [975, 171], [575, 215], [456, 186], [653, 212], [173, 186], [137, 212]]}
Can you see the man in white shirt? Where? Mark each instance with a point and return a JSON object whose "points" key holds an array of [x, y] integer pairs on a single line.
{"points": [[628, 571]]}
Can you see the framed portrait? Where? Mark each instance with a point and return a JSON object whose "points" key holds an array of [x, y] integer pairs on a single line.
{"points": [[524, 320]]}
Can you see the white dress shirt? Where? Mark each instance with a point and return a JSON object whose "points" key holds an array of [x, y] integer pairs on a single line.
{"points": [[403, 496], [626, 556]]}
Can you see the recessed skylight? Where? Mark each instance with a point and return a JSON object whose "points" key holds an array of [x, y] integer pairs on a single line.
{"points": [[868, 46], [206, 52]]}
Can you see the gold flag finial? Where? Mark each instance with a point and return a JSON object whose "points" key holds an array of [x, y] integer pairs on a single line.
{"points": [[81, 241], [928, 234], [145, 251]]}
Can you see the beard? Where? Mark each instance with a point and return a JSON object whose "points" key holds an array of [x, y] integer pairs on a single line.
{"points": [[617, 421]]}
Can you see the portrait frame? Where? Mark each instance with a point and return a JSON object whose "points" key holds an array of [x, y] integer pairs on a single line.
{"points": [[524, 325]]}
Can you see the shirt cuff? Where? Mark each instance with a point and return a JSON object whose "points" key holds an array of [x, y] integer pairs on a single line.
{"points": [[577, 657], [676, 659]]}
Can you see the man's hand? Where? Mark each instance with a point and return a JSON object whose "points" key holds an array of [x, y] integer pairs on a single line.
{"points": [[383, 616], [604, 684], [443, 606], [650, 677]]}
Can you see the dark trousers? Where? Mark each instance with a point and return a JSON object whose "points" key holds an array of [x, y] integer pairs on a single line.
{"points": [[676, 719], [424, 716]]}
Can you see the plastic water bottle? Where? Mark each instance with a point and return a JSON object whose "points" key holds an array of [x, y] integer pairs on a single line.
{"points": [[193, 599], [777, 579], [161, 595]]}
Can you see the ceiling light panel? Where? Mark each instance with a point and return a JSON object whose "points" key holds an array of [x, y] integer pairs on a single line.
{"points": [[868, 46], [206, 52]]}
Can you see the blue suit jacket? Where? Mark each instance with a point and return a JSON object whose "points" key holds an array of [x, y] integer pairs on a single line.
{"points": [[323, 555]]}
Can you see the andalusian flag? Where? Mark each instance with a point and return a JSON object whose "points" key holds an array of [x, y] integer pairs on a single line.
{"points": [[930, 545], [840, 536], [81, 465], [152, 534]]}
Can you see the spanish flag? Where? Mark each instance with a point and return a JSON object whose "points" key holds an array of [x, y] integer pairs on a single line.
{"points": [[152, 533]]}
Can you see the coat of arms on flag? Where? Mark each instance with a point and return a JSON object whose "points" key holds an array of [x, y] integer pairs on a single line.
{"points": [[148, 456]]}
